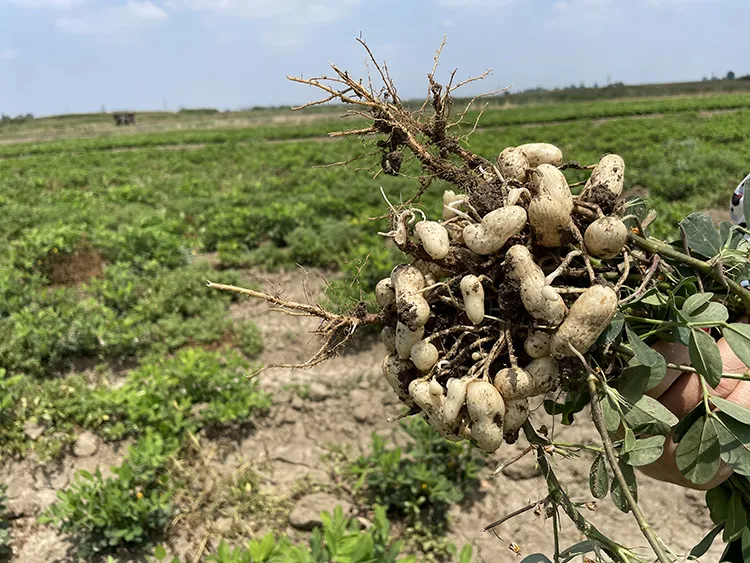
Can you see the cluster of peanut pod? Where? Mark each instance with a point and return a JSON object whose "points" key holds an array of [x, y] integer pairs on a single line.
{"points": [[470, 348]]}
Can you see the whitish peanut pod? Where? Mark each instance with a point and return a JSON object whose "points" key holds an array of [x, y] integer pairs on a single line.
{"points": [[541, 153], [399, 374], [550, 293], [548, 180], [514, 383], [530, 278], [435, 387], [488, 434], [434, 238], [412, 308], [388, 337], [483, 401], [431, 404], [424, 355], [536, 344], [516, 413], [513, 164], [449, 197], [589, 316], [606, 237], [385, 295], [609, 173], [495, 229], [549, 219], [545, 373], [406, 338], [473, 296], [454, 400]]}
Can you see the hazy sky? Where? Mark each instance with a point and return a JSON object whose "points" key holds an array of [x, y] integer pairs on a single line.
{"points": [[80, 55]]}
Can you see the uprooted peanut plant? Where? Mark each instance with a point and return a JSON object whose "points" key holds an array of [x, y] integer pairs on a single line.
{"points": [[519, 293]]}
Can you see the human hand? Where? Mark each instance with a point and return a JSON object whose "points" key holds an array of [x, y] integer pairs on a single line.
{"points": [[680, 393]]}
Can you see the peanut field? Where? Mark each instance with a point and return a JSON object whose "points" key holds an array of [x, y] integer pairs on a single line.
{"points": [[129, 428]]}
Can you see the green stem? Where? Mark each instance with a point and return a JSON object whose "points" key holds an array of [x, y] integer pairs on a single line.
{"points": [[598, 417], [577, 446], [560, 498], [660, 247]]}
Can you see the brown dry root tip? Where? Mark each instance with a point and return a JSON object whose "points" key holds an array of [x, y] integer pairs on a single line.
{"points": [[399, 374], [541, 153], [388, 338], [516, 414], [530, 278], [514, 383], [495, 229], [536, 344], [606, 237], [406, 338], [486, 410], [473, 296], [551, 207], [513, 164], [606, 181], [589, 316], [385, 295], [424, 355], [545, 373], [434, 238], [412, 308]]}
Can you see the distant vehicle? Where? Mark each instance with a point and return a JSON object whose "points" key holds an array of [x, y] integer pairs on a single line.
{"points": [[124, 118]]}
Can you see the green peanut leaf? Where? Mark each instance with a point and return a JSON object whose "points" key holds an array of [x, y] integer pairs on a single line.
{"points": [[599, 478], [618, 496], [736, 411], [684, 425], [649, 415], [705, 544], [702, 236], [581, 548], [629, 442], [648, 357], [736, 518], [699, 451], [705, 356], [734, 438], [695, 302], [645, 451], [611, 415], [738, 338], [715, 313], [614, 330], [717, 501]]}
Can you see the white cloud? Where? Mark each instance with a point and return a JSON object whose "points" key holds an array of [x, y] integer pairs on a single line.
{"points": [[133, 15], [58, 4], [8, 55], [287, 12]]}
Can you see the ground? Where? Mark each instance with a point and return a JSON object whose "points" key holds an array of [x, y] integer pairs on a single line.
{"points": [[335, 406]]}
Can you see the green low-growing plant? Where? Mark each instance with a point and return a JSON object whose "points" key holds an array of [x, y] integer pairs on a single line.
{"points": [[4, 524], [126, 510], [339, 539], [193, 390], [419, 482]]}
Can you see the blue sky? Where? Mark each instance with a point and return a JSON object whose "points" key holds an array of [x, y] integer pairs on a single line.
{"points": [[80, 55]]}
